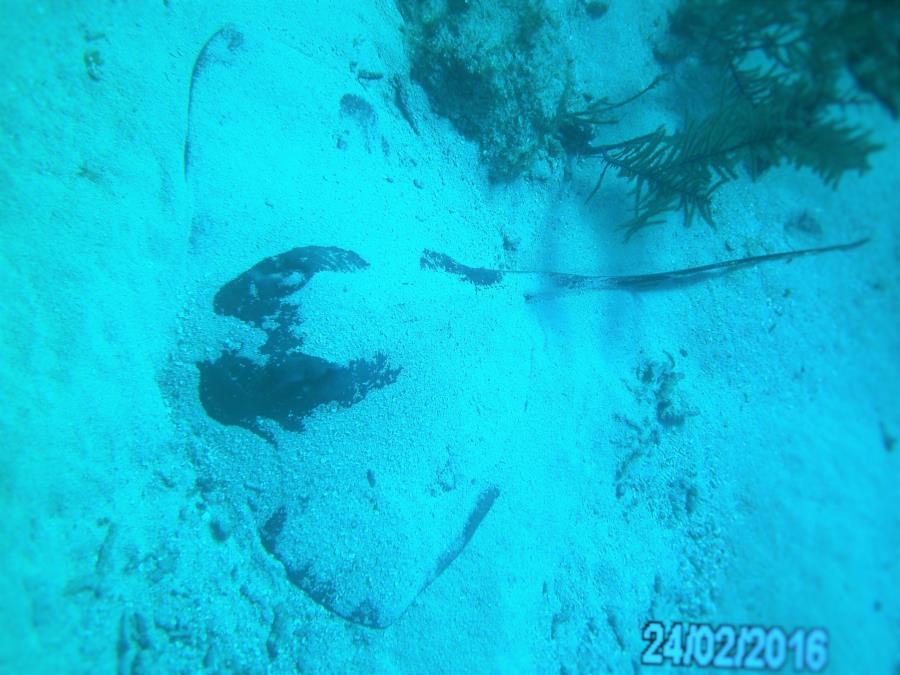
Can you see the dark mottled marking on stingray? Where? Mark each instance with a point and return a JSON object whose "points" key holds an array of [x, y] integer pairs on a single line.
{"points": [[260, 295], [216, 49], [366, 613], [402, 103], [479, 276], [284, 385], [237, 391], [359, 109], [632, 282], [485, 501], [271, 530], [321, 592]]}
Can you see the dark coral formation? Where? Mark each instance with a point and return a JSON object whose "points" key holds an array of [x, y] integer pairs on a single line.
{"points": [[496, 69]]}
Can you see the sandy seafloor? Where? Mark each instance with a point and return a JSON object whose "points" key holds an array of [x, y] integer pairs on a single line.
{"points": [[131, 521]]}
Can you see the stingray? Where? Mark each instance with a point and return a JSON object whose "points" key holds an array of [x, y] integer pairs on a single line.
{"points": [[273, 390], [284, 385]]}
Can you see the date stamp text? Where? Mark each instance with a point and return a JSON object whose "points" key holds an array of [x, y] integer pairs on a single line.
{"points": [[738, 647]]}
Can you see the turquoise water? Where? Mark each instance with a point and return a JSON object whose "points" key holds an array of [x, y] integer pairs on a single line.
{"points": [[321, 353]]}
